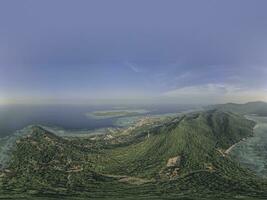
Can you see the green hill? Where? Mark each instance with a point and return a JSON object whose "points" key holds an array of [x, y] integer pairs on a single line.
{"points": [[182, 158], [257, 107]]}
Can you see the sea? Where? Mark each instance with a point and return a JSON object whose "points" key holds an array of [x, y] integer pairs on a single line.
{"points": [[72, 117]]}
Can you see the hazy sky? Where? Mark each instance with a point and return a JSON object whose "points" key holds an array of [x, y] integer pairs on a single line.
{"points": [[173, 51]]}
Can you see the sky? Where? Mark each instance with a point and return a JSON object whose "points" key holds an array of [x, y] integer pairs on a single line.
{"points": [[85, 51]]}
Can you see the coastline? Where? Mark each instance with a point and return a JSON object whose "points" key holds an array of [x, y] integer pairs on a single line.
{"points": [[227, 151]]}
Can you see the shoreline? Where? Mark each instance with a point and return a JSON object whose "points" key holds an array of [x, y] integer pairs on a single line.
{"points": [[227, 151]]}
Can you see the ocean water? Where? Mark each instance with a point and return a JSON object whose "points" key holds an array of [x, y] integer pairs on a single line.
{"points": [[71, 117], [252, 153]]}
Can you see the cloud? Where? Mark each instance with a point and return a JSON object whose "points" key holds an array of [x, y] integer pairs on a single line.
{"points": [[133, 67], [216, 93], [244, 96], [207, 89]]}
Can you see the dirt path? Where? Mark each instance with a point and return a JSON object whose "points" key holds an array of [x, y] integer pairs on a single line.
{"points": [[130, 179]]}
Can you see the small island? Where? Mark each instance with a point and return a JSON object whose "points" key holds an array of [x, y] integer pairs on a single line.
{"points": [[115, 113]]}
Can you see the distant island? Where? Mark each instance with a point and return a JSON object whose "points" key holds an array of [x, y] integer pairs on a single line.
{"points": [[115, 113]]}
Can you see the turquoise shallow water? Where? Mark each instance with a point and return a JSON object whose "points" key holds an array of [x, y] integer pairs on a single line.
{"points": [[252, 152]]}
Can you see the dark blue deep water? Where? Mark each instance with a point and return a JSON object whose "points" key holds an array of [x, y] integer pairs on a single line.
{"points": [[15, 117]]}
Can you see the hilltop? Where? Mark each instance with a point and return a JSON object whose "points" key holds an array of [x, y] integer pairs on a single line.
{"points": [[184, 157], [257, 108]]}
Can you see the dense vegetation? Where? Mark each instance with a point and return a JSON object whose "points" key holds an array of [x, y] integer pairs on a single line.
{"points": [[181, 158]]}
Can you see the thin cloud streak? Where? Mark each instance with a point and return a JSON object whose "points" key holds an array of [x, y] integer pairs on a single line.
{"points": [[217, 93], [133, 67]]}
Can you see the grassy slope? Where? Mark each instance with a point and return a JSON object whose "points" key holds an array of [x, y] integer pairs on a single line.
{"points": [[44, 164], [196, 137]]}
